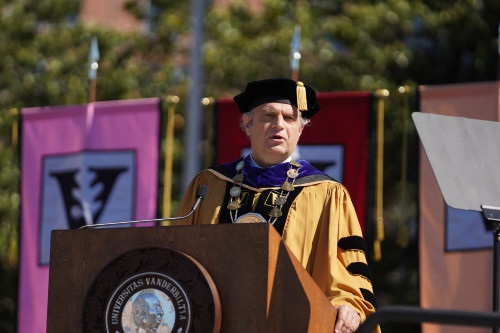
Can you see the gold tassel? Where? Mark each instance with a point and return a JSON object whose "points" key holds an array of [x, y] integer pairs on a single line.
{"points": [[301, 97]]}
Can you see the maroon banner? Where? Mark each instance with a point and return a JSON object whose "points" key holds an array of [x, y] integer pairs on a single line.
{"points": [[336, 141]]}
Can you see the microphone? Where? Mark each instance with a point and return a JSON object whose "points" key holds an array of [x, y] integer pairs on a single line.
{"points": [[201, 194]]}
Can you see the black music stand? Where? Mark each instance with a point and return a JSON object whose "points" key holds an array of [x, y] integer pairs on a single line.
{"points": [[465, 157]]}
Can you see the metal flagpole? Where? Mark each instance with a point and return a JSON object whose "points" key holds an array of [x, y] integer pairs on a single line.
{"points": [[93, 65], [295, 54], [192, 136]]}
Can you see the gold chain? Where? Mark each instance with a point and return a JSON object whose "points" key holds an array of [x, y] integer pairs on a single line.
{"points": [[287, 187]]}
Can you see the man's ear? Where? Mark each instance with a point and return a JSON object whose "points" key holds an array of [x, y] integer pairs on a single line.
{"points": [[301, 129], [246, 120]]}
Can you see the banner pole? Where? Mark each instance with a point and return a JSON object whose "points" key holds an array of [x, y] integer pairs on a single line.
{"points": [[381, 94], [405, 92], [15, 126], [209, 150], [169, 153]]}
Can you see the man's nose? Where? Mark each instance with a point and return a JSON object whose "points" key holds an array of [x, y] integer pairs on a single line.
{"points": [[278, 122]]}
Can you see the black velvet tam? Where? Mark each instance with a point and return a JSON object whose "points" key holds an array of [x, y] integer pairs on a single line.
{"points": [[275, 90]]}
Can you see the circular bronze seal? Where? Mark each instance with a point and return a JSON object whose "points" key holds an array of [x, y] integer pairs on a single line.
{"points": [[153, 290], [250, 218]]}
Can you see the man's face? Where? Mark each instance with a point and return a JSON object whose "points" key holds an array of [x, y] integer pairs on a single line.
{"points": [[274, 131], [155, 314]]}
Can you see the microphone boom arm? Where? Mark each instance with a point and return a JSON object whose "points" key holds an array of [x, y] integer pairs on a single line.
{"points": [[201, 193], [97, 225]]}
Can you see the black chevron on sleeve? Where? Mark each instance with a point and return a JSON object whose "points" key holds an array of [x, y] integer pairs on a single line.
{"points": [[360, 268], [352, 243], [369, 296]]}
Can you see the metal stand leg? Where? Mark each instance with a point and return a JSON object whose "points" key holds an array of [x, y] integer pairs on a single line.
{"points": [[496, 235], [492, 215]]}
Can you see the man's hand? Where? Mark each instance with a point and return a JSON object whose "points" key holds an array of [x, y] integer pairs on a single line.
{"points": [[347, 319]]}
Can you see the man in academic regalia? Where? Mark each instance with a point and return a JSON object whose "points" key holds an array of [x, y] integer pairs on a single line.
{"points": [[312, 212]]}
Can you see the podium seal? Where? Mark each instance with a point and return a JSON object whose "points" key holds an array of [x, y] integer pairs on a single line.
{"points": [[152, 290], [152, 302]]}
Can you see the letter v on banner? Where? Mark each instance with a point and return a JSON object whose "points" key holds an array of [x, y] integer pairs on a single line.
{"points": [[82, 164]]}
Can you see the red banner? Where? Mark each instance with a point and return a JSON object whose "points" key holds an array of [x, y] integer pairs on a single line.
{"points": [[336, 141]]}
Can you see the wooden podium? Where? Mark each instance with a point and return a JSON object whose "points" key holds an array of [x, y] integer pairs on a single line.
{"points": [[256, 283]]}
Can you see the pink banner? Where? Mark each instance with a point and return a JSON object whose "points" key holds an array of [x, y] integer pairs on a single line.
{"points": [[81, 165]]}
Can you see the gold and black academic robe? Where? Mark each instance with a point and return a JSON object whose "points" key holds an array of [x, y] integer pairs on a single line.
{"points": [[319, 225]]}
